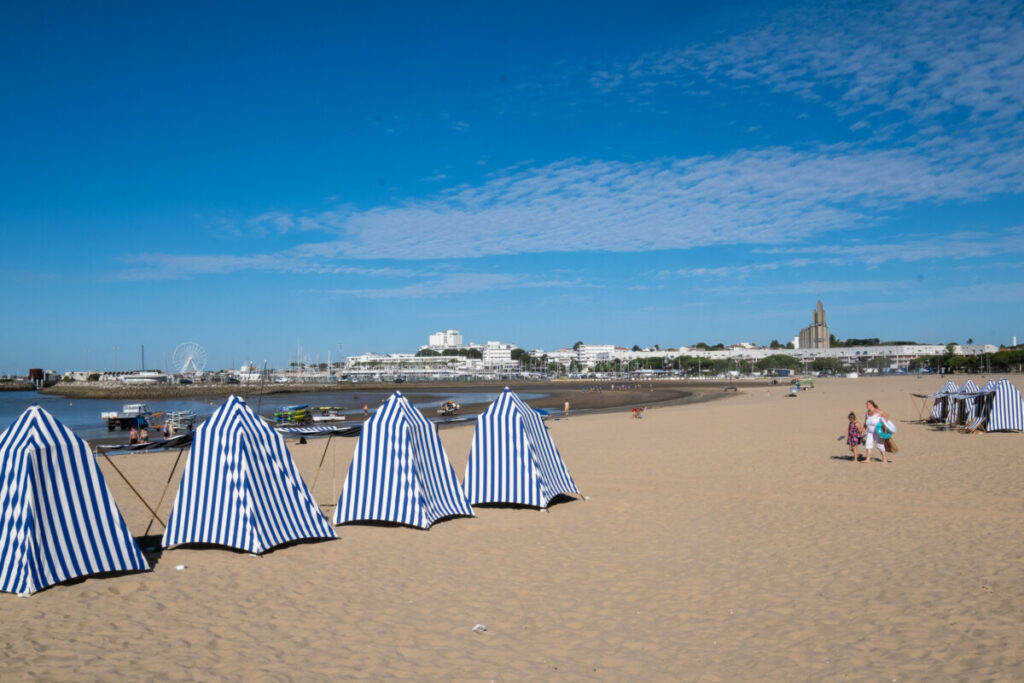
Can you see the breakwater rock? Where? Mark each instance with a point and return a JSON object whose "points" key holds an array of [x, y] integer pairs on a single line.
{"points": [[17, 386]]}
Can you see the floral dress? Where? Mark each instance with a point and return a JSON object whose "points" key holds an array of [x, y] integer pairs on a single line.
{"points": [[853, 435]]}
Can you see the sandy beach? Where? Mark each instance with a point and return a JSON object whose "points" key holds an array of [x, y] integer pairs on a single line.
{"points": [[720, 541]]}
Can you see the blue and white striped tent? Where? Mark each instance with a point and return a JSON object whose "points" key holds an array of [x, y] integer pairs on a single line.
{"points": [[940, 409], [241, 488], [400, 472], [1006, 412], [59, 520], [965, 404], [513, 458]]}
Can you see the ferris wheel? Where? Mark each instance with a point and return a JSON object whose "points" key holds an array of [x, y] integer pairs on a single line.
{"points": [[189, 358]]}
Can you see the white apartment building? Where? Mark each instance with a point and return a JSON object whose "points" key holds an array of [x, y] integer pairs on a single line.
{"points": [[590, 354], [449, 339], [563, 357], [496, 354]]}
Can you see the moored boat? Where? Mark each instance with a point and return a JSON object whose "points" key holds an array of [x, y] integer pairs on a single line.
{"points": [[328, 414], [296, 413], [448, 408]]}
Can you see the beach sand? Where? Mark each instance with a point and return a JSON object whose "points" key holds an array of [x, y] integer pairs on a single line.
{"points": [[721, 541]]}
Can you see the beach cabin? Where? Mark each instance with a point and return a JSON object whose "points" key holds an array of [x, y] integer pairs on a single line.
{"points": [[513, 458], [400, 472], [1006, 411], [60, 521], [241, 488], [964, 404], [940, 408]]}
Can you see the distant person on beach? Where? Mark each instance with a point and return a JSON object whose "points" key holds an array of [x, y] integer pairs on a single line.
{"points": [[566, 409], [872, 439], [144, 435], [854, 435], [366, 409], [133, 435]]}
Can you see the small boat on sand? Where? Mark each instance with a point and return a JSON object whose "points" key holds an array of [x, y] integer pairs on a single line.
{"points": [[448, 408], [328, 414], [296, 413]]}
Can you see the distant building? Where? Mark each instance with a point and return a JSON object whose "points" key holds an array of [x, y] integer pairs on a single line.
{"points": [[42, 378], [496, 354], [590, 355], [816, 336], [449, 339]]}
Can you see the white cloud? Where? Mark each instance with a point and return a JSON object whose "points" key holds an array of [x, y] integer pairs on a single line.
{"points": [[771, 196], [301, 259], [957, 246], [454, 284], [774, 195], [920, 58]]}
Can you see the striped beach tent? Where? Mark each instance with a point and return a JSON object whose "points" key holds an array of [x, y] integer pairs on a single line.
{"points": [[400, 472], [59, 520], [961, 402], [1006, 412], [241, 488], [513, 458], [940, 409]]}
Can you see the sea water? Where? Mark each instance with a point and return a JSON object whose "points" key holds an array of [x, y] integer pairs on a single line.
{"points": [[82, 415]]}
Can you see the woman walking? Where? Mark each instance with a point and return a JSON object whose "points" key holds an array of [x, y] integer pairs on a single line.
{"points": [[875, 417]]}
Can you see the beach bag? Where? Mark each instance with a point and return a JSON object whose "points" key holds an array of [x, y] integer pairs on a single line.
{"points": [[891, 446]]}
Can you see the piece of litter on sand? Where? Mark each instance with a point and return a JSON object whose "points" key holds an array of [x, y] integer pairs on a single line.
{"points": [[479, 628], [180, 567]]}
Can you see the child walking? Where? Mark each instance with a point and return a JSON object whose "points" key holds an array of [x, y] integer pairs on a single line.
{"points": [[854, 436]]}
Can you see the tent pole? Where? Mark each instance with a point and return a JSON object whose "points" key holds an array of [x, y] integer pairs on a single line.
{"points": [[313, 487], [133, 488], [166, 486]]}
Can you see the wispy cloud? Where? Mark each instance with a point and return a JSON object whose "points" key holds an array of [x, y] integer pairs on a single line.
{"points": [[738, 272], [923, 59], [939, 82], [972, 245], [456, 283], [301, 259], [774, 195]]}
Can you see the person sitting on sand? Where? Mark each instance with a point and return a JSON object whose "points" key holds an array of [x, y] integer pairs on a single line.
{"points": [[875, 415], [854, 435]]}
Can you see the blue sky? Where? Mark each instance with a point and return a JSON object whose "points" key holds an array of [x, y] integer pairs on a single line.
{"points": [[245, 175]]}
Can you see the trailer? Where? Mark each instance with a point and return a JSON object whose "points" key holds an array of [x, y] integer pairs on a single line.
{"points": [[130, 415]]}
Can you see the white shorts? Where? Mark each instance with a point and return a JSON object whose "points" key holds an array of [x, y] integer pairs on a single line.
{"points": [[870, 443]]}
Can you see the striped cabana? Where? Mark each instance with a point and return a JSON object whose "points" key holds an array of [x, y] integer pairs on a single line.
{"points": [[241, 488], [965, 401], [938, 413], [1006, 412], [940, 409], [400, 472], [59, 521], [513, 459]]}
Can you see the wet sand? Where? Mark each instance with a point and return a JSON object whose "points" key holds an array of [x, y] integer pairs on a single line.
{"points": [[725, 540]]}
